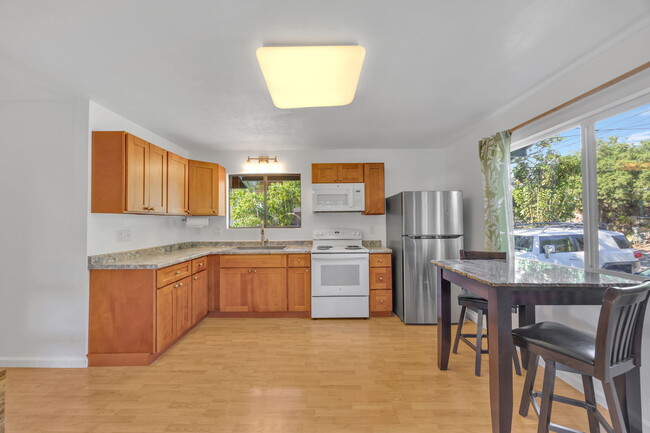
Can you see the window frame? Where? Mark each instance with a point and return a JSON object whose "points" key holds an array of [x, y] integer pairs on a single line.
{"points": [[586, 121], [265, 177]]}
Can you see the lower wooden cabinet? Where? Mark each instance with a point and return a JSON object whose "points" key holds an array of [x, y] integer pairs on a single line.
{"points": [[299, 289], [381, 285], [235, 290], [199, 296], [136, 314], [165, 329]]}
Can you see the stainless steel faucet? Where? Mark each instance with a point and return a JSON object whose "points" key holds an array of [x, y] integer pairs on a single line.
{"points": [[263, 240]]}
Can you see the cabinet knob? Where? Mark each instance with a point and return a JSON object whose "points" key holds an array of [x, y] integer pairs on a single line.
{"points": [[178, 272], [381, 278], [180, 284], [214, 211], [196, 278], [175, 285], [200, 264], [298, 260], [306, 270], [250, 270], [381, 301], [381, 260]]}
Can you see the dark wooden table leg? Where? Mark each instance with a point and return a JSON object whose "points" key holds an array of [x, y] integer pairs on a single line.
{"points": [[628, 388], [500, 326], [444, 319], [526, 317]]}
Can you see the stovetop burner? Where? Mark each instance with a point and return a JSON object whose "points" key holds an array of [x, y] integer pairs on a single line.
{"points": [[324, 247], [353, 247]]}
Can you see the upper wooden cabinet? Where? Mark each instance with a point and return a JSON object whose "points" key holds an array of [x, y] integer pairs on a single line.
{"points": [[207, 188], [337, 173], [178, 177], [375, 193], [129, 175], [371, 174]]}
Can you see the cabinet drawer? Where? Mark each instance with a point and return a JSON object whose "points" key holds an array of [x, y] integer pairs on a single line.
{"points": [[381, 300], [298, 260], [381, 278], [379, 260], [253, 261], [173, 273], [200, 264]]}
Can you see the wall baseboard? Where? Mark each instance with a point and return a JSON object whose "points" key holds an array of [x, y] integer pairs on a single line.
{"points": [[54, 362]]}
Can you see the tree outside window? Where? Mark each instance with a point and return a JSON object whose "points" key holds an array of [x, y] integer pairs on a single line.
{"points": [[271, 200]]}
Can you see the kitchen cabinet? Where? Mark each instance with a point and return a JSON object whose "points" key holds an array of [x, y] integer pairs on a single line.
{"points": [[381, 285], [136, 314], [199, 296], [299, 289], [370, 174], [337, 173], [258, 285], [207, 188], [373, 175], [235, 290], [129, 175], [269, 289], [178, 177]]}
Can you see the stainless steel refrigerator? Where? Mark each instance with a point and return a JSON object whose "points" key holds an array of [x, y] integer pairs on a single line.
{"points": [[422, 226]]}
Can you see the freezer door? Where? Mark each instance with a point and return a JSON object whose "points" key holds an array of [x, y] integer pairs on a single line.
{"points": [[419, 291], [432, 212]]}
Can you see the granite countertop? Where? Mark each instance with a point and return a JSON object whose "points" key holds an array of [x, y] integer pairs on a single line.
{"points": [[167, 255], [530, 273]]}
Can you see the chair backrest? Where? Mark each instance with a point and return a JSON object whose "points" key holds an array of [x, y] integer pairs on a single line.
{"points": [[620, 328], [482, 255]]}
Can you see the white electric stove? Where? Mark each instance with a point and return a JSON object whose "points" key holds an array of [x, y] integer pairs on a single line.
{"points": [[340, 281]]}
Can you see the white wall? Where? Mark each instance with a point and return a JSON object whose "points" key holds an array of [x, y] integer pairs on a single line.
{"points": [[43, 276], [146, 230], [405, 169], [464, 173]]}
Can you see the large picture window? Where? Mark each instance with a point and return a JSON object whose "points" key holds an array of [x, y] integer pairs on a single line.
{"points": [[269, 200], [598, 217]]}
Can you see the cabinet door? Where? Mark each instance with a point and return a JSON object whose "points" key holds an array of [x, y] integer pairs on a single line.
{"points": [[137, 175], [204, 189], [350, 173], [157, 179], [298, 289], [220, 191], [270, 289], [165, 329], [199, 296], [182, 305], [324, 173], [375, 194], [235, 289], [177, 185]]}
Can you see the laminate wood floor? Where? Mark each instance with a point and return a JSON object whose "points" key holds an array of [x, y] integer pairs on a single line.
{"points": [[273, 376]]}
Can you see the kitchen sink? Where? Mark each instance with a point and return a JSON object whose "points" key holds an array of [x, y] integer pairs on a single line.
{"points": [[263, 248]]}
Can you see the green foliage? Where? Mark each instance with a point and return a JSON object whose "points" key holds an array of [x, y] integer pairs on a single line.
{"points": [[547, 186], [247, 205]]}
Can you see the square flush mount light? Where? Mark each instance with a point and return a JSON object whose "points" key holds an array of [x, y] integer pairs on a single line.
{"points": [[315, 76]]}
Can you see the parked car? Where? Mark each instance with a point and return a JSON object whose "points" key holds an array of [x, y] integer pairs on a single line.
{"points": [[565, 246]]}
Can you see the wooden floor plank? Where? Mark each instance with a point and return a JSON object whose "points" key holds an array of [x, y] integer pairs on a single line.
{"points": [[240, 375]]}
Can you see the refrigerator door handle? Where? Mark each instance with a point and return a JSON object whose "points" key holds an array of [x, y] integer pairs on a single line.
{"points": [[432, 236]]}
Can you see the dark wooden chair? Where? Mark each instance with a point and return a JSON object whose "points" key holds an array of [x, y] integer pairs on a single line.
{"points": [[612, 352], [469, 301]]}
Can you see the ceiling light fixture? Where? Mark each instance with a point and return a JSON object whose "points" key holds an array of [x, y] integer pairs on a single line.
{"points": [[262, 159], [311, 76]]}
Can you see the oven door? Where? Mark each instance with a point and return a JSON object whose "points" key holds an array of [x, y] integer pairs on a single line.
{"points": [[339, 275]]}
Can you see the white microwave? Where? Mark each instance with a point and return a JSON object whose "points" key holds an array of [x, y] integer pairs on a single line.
{"points": [[338, 197]]}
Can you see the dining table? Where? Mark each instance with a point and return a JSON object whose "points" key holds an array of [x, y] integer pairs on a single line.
{"points": [[524, 283]]}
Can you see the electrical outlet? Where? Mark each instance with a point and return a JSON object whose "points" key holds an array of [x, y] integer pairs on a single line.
{"points": [[217, 230], [372, 230], [124, 235]]}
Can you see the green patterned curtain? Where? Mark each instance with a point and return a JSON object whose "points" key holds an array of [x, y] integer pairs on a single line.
{"points": [[494, 153]]}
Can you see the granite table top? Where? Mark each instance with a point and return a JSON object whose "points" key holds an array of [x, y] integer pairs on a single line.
{"points": [[168, 255], [530, 273]]}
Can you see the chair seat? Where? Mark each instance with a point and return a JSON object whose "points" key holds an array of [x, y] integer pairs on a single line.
{"points": [[469, 296], [558, 338]]}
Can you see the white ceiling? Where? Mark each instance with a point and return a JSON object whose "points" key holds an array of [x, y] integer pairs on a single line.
{"points": [[186, 69]]}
